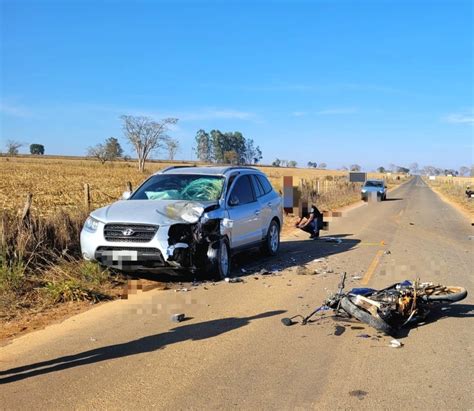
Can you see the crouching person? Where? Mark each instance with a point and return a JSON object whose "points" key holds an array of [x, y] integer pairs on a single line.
{"points": [[311, 222]]}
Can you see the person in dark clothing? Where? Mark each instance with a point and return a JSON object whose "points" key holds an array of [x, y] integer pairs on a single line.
{"points": [[469, 192], [310, 222]]}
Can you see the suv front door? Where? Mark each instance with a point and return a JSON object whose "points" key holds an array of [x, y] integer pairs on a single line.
{"points": [[244, 210]]}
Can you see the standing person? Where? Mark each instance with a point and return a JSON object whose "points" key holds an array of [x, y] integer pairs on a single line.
{"points": [[310, 222]]}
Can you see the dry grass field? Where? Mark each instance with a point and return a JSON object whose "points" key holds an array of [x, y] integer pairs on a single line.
{"points": [[57, 184], [454, 188]]}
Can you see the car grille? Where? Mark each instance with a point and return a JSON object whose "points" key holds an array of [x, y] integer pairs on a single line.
{"points": [[137, 233]]}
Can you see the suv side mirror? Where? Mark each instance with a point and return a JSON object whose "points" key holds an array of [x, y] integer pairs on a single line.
{"points": [[234, 201], [126, 195]]}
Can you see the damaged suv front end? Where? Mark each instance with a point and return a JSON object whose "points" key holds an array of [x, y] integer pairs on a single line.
{"points": [[172, 221]]}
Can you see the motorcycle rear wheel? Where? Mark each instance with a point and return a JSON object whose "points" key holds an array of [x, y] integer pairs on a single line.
{"points": [[362, 315]]}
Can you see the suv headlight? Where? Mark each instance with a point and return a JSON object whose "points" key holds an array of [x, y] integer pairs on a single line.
{"points": [[91, 224], [364, 190]]}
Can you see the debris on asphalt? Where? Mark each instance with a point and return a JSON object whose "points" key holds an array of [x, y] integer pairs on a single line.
{"points": [[233, 280], [177, 318], [395, 344], [356, 277], [302, 270], [358, 393], [412, 223], [181, 290], [363, 336], [320, 260], [93, 339], [264, 271], [339, 330], [388, 252]]}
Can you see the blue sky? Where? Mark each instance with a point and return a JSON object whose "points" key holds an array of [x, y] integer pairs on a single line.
{"points": [[341, 82]]}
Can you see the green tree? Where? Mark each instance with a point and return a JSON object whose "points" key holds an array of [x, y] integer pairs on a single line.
{"points": [[203, 147], [292, 163], [355, 167], [276, 163], [381, 169], [322, 165], [112, 147], [37, 149]]}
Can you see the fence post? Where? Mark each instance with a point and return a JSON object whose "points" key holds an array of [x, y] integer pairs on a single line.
{"points": [[129, 186], [87, 197], [26, 209]]}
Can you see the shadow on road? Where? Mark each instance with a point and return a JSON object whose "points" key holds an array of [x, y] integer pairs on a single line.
{"points": [[193, 332], [441, 313], [393, 199]]}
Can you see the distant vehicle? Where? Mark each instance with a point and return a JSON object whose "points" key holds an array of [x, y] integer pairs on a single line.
{"points": [[374, 186], [191, 218]]}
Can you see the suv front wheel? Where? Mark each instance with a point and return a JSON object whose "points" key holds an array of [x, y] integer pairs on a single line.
{"points": [[220, 259]]}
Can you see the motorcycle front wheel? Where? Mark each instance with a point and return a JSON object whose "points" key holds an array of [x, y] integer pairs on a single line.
{"points": [[445, 294], [362, 315]]}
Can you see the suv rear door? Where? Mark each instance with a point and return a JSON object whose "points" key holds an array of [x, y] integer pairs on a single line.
{"points": [[244, 210], [264, 194]]}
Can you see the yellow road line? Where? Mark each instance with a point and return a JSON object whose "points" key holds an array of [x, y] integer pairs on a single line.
{"points": [[373, 265], [381, 243]]}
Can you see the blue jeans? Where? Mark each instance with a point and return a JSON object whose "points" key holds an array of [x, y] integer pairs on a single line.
{"points": [[311, 228]]}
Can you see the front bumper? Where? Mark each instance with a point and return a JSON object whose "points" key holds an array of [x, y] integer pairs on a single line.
{"points": [[128, 255], [365, 196]]}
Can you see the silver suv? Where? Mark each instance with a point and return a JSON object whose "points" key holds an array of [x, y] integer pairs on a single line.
{"points": [[190, 218]]}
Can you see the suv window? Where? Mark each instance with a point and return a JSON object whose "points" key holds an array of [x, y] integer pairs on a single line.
{"points": [[267, 187], [258, 187], [243, 191]]}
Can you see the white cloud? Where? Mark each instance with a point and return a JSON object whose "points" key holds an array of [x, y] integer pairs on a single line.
{"points": [[336, 111], [14, 111], [299, 113], [466, 117]]}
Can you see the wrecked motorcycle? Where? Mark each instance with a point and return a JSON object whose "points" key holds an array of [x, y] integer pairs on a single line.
{"points": [[391, 308]]}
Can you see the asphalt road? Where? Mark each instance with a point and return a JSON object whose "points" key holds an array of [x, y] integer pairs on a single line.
{"points": [[233, 352]]}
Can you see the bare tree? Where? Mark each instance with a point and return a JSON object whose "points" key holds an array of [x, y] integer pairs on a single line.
{"points": [[464, 171], [355, 167], [99, 152], [146, 135], [322, 165], [12, 147], [172, 145], [414, 169]]}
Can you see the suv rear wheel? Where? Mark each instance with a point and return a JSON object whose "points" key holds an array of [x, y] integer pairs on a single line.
{"points": [[272, 241]]}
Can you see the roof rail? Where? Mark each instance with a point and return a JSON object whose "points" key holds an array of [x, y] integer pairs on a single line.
{"points": [[173, 167], [240, 167]]}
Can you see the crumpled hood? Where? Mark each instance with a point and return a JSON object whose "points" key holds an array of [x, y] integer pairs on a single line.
{"points": [[164, 212]]}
